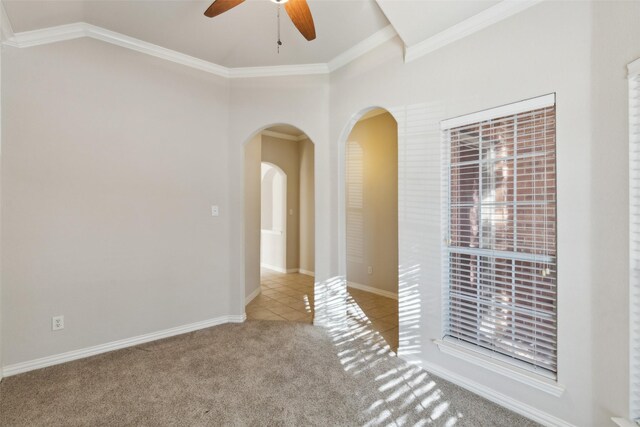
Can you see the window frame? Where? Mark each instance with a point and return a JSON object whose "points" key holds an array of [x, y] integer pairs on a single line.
{"points": [[492, 360]]}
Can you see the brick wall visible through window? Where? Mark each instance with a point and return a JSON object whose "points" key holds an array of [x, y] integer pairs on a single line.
{"points": [[501, 237]]}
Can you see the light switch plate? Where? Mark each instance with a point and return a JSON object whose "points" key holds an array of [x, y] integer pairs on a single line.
{"points": [[215, 211]]}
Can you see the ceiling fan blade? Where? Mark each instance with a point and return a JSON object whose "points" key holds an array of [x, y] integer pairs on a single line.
{"points": [[300, 14], [221, 6]]}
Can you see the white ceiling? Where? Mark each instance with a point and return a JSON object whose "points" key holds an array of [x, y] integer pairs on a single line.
{"points": [[246, 35], [417, 20]]}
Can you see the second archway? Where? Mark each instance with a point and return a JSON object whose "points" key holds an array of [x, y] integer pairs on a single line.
{"points": [[279, 225]]}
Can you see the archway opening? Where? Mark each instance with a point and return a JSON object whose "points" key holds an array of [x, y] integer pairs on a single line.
{"points": [[370, 214], [279, 225], [273, 218]]}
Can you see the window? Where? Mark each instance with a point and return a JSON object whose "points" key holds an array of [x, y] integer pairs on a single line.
{"points": [[634, 237], [500, 233], [355, 202]]}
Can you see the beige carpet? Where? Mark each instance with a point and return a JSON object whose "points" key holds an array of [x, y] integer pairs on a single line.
{"points": [[259, 373]]}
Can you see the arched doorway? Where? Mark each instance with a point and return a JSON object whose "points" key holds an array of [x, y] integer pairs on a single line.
{"points": [[279, 227], [273, 218], [369, 222]]}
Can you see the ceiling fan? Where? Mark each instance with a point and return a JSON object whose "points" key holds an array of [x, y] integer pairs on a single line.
{"points": [[298, 11]]}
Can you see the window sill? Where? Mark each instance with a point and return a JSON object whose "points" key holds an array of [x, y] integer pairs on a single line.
{"points": [[624, 423], [532, 379]]}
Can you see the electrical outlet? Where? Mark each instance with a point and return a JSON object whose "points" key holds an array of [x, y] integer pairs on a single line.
{"points": [[57, 323], [370, 270]]}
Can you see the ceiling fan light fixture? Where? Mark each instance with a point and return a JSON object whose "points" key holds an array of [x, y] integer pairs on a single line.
{"points": [[298, 11]]}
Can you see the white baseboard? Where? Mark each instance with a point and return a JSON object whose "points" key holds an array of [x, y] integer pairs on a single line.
{"points": [[498, 398], [43, 362], [307, 272], [281, 270], [373, 290], [252, 295], [274, 268]]}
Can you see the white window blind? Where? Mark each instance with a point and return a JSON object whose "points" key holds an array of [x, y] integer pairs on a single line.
{"points": [[499, 212], [355, 202], [634, 238]]}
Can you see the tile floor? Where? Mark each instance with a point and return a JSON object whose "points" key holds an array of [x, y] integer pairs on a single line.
{"points": [[289, 297]]}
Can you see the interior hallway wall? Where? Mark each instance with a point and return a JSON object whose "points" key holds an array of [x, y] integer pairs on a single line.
{"points": [[372, 204]]}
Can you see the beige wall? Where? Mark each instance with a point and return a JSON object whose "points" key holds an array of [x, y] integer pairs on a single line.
{"points": [[111, 161], [307, 206], [372, 225], [252, 177]]}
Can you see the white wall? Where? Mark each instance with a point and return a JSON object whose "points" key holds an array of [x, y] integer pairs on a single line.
{"points": [[542, 50], [616, 42], [1, 132], [111, 161], [307, 207], [252, 154]]}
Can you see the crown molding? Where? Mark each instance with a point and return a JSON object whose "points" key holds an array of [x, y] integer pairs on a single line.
{"points": [[490, 16], [138, 45], [82, 29], [365, 46], [284, 135], [482, 20], [5, 25], [278, 70], [47, 35]]}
